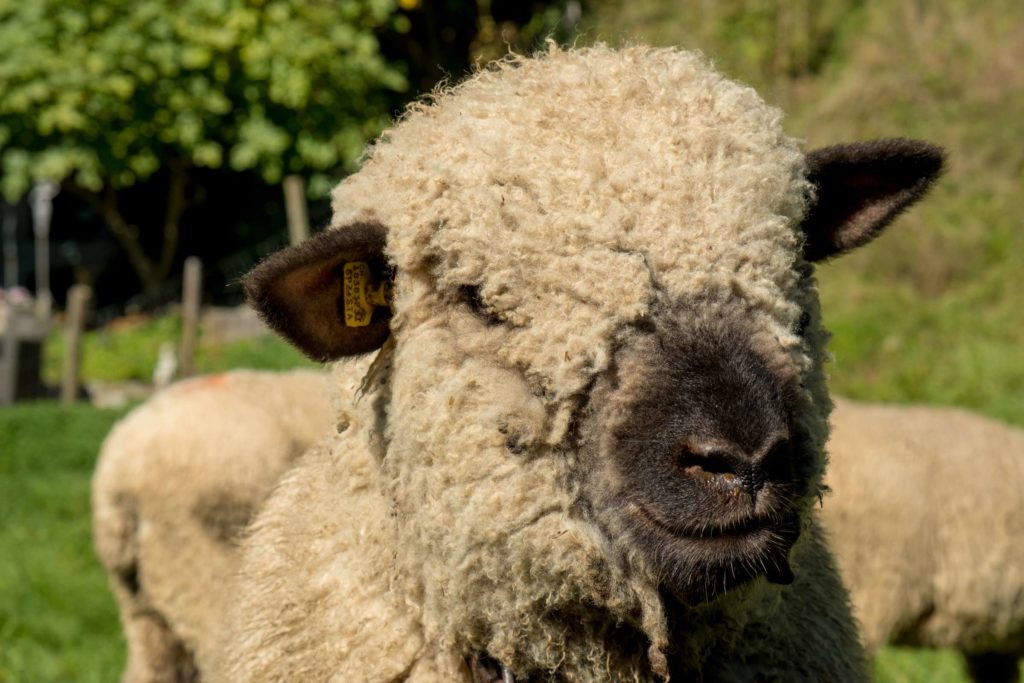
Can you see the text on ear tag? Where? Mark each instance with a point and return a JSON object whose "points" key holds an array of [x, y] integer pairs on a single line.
{"points": [[360, 296]]}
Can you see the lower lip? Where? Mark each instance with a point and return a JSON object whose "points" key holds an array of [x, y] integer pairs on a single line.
{"points": [[711, 565], [733, 544]]}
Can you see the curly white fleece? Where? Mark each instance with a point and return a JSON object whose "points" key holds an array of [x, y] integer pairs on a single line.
{"points": [[574, 192], [175, 482]]}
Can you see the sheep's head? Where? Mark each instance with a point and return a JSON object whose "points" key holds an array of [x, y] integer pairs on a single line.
{"points": [[596, 271]]}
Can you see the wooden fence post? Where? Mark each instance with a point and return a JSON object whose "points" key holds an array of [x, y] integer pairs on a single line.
{"points": [[191, 297], [10, 246], [74, 324], [8, 356], [295, 206]]}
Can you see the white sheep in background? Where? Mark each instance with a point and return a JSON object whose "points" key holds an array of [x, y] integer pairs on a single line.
{"points": [[176, 482], [927, 520], [591, 444]]}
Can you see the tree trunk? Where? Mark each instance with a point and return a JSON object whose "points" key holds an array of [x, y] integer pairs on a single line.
{"points": [[176, 205], [151, 272]]}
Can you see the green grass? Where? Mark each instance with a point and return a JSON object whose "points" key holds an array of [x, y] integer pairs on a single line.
{"points": [[130, 352], [891, 344], [267, 353], [904, 665], [58, 621]]}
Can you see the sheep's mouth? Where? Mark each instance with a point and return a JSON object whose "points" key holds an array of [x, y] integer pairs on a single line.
{"points": [[699, 564]]}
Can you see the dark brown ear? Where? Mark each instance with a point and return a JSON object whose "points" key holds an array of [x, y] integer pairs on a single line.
{"points": [[861, 188], [330, 295]]}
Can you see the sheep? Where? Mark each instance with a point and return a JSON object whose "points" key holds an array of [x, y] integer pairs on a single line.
{"points": [[926, 516], [589, 446], [176, 481]]}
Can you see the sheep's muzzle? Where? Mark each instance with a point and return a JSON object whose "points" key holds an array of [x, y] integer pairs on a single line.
{"points": [[711, 470]]}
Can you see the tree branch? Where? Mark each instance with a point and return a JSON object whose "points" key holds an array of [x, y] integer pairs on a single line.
{"points": [[124, 232], [176, 205]]}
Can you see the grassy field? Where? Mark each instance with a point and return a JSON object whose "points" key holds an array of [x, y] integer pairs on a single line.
{"points": [[58, 621], [57, 617]]}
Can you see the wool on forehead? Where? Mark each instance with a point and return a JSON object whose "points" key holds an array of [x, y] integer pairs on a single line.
{"points": [[640, 150]]}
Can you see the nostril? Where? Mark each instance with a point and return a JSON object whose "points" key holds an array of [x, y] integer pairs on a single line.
{"points": [[777, 462], [714, 463], [725, 463], [707, 460]]}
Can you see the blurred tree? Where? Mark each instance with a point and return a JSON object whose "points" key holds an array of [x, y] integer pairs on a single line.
{"points": [[770, 43], [444, 39], [103, 94]]}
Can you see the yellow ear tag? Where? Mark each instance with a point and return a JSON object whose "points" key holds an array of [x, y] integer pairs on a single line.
{"points": [[360, 297]]}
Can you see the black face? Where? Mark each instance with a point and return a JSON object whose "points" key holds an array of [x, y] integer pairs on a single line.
{"points": [[710, 464]]}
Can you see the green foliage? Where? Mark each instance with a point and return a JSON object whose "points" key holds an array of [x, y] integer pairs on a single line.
{"points": [[268, 352], [904, 665], [522, 27], [109, 90], [115, 354], [58, 620], [761, 42], [129, 351]]}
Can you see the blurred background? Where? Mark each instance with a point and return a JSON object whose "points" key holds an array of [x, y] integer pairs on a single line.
{"points": [[140, 135]]}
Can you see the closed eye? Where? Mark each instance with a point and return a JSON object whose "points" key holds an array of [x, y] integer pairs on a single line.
{"points": [[470, 296]]}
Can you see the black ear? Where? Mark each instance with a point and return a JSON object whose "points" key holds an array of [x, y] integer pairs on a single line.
{"points": [[861, 188], [330, 295]]}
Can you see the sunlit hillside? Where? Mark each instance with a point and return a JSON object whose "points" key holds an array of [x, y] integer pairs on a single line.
{"points": [[932, 311]]}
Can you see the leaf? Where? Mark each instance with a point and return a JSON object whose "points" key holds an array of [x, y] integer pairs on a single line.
{"points": [[128, 83]]}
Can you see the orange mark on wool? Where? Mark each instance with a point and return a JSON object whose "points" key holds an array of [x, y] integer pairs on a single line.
{"points": [[205, 382]]}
